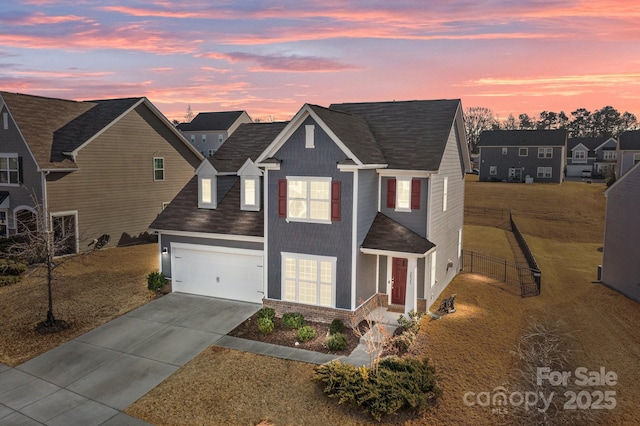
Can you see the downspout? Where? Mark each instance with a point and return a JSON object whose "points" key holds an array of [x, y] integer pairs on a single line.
{"points": [[45, 206]]}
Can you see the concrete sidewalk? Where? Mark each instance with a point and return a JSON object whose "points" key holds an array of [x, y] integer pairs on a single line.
{"points": [[91, 379]]}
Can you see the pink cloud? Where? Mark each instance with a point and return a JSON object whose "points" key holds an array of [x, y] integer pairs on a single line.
{"points": [[284, 63]]}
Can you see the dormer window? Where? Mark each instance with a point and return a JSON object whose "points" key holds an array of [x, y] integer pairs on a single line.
{"points": [[207, 192], [580, 156], [250, 197]]}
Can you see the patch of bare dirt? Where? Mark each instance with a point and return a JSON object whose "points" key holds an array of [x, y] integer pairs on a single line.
{"points": [[284, 336]]}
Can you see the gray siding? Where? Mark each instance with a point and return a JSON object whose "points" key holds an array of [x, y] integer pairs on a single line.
{"points": [[444, 226], [113, 189], [308, 238], [366, 277], [382, 276], [165, 240], [621, 254], [12, 143], [492, 156], [626, 161], [416, 220], [367, 210]]}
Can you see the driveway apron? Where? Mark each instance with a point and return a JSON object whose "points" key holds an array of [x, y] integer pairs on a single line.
{"points": [[91, 379]]}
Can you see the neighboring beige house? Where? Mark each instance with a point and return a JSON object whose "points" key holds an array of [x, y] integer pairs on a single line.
{"points": [[208, 130], [94, 168]]}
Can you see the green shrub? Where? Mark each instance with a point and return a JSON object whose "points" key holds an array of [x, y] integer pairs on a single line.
{"points": [[337, 342], [412, 323], [610, 181], [12, 267], [306, 333], [399, 383], [156, 280], [267, 313], [8, 280], [337, 326], [293, 320], [265, 325], [403, 341]]}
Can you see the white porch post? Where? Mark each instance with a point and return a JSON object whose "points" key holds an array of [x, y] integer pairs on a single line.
{"points": [[411, 297]]}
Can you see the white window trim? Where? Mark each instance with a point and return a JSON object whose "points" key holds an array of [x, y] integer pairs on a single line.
{"points": [[308, 179], [309, 140], [192, 138], [609, 155], [204, 138], [434, 270], [636, 158], [542, 152], [298, 256], [155, 169], [542, 172], [7, 156], [398, 180], [459, 243], [493, 170], [526, 152], [76, 231], [220, 137], [243, 203], [214, 193], [579, 157], [505, 150], [445, 190]]}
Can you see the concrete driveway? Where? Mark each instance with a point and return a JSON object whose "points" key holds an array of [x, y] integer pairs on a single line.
{"points": [[89, 380]]}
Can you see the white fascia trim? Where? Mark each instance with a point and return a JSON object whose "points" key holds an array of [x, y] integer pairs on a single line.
{"points": [[354, 240], [352, 167], [206, 166], [227, 237], [269, 166], [64, 170], [615, 142], [250, 169], [390, 253], [215, 249], [409, 173], [265, 247]]}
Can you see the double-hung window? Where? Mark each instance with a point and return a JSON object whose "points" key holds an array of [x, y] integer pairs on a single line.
{"points": [[493, 170], [250, 193], [158, 168], [403, 194], [545, 172], [308, 279], [579, 156], [9, 170], [523, 152], [309, 199], [545, 152], [609, 155]]}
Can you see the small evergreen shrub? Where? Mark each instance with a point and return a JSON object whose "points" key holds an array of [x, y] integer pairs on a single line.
{"points": [[306, 333], [399, 383], [337, 342], [337, 326], [269, 313], [6, 280], [611, 181], [293, 320], [265, 325], [12, 267], [156, 280], [412, 323]]}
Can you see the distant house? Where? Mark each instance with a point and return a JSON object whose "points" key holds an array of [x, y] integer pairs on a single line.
{"points": [[628, 151], [94, 168], [515, 155], [326, 214], [208, 130], [621, 253], [594, 155]]}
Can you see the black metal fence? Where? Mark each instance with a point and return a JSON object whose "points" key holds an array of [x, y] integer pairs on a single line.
{"points": [[531, 260], [502, 270]]}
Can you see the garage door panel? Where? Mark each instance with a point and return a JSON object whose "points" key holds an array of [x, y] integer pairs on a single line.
{"points": [[236, 276]]}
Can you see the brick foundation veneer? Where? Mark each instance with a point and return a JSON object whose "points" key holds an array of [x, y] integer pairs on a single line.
{"points": [[326, 315]]}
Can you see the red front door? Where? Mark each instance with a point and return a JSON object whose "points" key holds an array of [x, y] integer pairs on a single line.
{"points": [[398, 280]]}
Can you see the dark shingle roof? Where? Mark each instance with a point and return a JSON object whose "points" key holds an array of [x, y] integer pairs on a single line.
{"points": [[211, 121], [248, 141], [630, 140], [590, 143], [387, 234], [354, 132], [412, 135], [523, 138], [183, 214]]}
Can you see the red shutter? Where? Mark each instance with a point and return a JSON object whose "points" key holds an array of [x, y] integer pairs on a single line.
{"points": [[282, 198], [335, 200], [415, 194], [391, 193]]}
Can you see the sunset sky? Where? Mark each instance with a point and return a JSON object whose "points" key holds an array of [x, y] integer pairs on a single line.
{"points": [[271, 57]]}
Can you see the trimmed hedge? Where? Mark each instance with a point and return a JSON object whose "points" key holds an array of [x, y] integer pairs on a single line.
{"points": [[306, 333], [269, 313], [337, 342], [265, 325], [293, 320], [337, 326], [398, 384]]}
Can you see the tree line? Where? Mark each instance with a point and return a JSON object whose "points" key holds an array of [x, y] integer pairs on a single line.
{"points": [[604, 122]]}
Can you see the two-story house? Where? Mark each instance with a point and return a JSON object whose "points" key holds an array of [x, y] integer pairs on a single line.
{"points": [[208, 130], [597, 156], [93, 169], [514, 155], [339, 208], [628, 153]]}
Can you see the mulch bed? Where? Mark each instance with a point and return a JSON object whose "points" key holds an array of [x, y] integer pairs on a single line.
{"points": [[284, 336]]}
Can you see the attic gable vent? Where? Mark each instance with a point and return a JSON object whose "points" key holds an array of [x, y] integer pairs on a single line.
{"points": [[309, 136]]}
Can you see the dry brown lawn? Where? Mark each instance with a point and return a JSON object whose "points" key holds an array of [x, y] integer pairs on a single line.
{"points": [[88, 291]]}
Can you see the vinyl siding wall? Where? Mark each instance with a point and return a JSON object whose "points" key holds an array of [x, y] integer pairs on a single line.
{"points": [[11, 142], [309, 238], [621, 253], [367, 210], [114, 191], [416, 220], [492, 156]]}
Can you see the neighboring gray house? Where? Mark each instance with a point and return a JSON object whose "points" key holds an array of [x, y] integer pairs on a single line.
{"points": [[515, 155], [621, 253], [628, 151], [93, 168], [593, 155], [339, 208], [208, 130]]}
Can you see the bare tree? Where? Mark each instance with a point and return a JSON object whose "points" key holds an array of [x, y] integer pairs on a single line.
{"points": [[189, 115], [38, 241], [510, 123], [526, 122], [477, 120], [374, 333]]}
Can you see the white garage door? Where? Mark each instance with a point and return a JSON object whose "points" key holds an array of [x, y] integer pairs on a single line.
{"points": [[217, 272], [575, 170]]}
